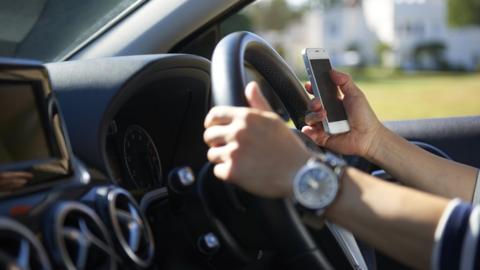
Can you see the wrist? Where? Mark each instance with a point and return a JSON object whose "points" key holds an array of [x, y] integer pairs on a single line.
{"points": [[344, 195], [296, 165], [379, 141], [316, 184]]}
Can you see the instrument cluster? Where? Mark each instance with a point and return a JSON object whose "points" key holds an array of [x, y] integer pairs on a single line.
{"points": [[133, 157]]}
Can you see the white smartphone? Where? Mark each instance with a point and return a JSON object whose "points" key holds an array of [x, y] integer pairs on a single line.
{"points": [[318, 68]]}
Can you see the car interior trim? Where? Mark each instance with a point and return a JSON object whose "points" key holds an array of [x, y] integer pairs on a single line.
{"points": [[426, 146], [102, 30], [349, 245], [152, 197], [144, 31], [476, 192], [457, 136], [112, 81]]}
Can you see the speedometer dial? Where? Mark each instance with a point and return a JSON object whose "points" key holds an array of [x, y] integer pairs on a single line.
{"points": [[141, 158]]}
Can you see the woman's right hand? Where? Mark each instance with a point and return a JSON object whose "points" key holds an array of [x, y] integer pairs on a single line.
{"points": [[365, 129]]}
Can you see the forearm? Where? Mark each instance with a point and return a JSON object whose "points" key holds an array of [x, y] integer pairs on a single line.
{"points": [[418, 168], [396, 220]]}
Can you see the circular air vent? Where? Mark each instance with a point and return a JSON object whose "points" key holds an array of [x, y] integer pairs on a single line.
{"points": [[130, 227], [78, 238], [19, 248]]}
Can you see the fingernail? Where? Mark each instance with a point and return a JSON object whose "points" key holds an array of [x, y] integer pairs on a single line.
{"points": [[312, 105]]}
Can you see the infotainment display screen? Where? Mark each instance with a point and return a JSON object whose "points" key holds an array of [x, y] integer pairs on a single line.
{"points": [[34, 152], [22, 133]]}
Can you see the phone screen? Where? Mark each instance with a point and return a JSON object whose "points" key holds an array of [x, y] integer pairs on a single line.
{"points": [[328, 90]]}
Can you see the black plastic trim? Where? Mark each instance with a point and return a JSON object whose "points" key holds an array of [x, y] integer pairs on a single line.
{"points": [[91, 92]]}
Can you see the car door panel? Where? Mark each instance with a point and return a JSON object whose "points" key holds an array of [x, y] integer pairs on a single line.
{"points": [[458, 137]]}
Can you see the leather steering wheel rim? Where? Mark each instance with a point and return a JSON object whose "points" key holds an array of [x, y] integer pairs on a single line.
{"points": [[228, 84], [228, 74]]}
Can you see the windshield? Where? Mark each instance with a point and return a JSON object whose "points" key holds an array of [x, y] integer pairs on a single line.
{"points": [[52, 30]]}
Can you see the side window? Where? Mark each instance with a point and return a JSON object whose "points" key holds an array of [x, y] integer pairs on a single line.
{"points": [[412, 58]]}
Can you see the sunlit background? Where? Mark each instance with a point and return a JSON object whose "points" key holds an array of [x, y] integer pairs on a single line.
{"points": [[413, 58]]}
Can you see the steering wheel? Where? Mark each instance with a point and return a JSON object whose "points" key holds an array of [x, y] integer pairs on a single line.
{"points": [[280, 218]]}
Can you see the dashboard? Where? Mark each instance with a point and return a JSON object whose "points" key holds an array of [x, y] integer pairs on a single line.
{"points": [[130, 121], [144, 139], [149, 121]]}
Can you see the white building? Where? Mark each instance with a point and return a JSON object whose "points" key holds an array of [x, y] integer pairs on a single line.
{"points": [[407, 24], [342, 31], [352, 34]]}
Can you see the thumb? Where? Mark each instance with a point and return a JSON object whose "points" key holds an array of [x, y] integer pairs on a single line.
{"points": [[255, 97], [308, 87], [345, 82]]}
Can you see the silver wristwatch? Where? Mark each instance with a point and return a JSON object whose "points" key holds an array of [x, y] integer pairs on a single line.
{"points": [[316, 184]]}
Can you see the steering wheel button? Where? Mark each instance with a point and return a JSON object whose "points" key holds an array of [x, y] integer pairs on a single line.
{"points": [[208, 244]]}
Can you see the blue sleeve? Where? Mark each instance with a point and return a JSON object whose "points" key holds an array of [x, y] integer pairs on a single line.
{"points": [[456, 238]]}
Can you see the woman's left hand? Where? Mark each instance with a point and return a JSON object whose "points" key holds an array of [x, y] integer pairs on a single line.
{"points": [[253, 147]]}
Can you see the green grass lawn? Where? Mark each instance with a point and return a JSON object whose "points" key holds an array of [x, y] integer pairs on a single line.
{"points": [[395, 95]]}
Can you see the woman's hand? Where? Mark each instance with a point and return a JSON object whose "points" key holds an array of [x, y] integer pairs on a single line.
{"points": [[253, 147], [365, 128]]}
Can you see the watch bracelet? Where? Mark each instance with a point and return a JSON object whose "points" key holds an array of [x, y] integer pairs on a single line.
{"points": [[337, 164]]}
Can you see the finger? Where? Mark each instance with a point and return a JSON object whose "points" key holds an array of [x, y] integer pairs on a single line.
{"points": [[345, 82], [222, 170], [315, 105], [310, 132], [317, 134], [336, 141], [217, 154], [216, 135], [308, 87], [255, 97], [315, 118], [220, 115]]}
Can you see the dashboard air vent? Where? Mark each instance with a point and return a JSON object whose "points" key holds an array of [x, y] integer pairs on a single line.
{"points": [[78, 238], [20, 248], [132, 231]]}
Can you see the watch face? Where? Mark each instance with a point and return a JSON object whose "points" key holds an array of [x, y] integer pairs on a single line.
{"points": [[316, 186]]}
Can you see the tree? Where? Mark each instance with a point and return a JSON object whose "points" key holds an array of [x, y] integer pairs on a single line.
{"points": [[273, 15], [326, 4], [237, 22], [430, 52], [382, 49], [463, 12]]}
